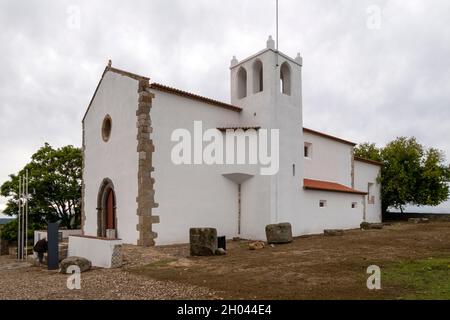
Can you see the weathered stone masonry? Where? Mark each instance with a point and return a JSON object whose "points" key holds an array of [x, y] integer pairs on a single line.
{"points": [[146, 192]]}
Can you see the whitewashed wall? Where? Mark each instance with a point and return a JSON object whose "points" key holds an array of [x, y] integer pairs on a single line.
{"points": [[278, 196], [199, 195], [116, 159], [365, 173], [338, 214], [98, 251], [189, 195], [330, 161]]}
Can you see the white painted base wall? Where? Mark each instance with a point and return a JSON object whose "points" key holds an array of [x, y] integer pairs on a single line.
{"points": [[364, 174], [338, 213], [98, 251]]}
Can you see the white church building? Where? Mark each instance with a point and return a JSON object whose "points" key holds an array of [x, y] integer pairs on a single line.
{"points": [[136, 190]]}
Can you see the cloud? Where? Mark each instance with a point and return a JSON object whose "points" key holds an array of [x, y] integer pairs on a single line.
{"points": [[358, 83]]}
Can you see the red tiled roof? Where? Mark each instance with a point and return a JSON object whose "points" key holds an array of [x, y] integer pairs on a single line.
{"points": [[317, 133], [237, 128], [193, 96], [329, 186], [377, 163]]}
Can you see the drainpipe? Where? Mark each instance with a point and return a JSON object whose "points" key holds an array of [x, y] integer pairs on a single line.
{"points": [[239, 209]]}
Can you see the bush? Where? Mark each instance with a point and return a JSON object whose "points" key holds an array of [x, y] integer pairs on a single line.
{"points": [[9, 230]]}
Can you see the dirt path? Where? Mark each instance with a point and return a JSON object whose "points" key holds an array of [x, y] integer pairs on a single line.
{"points": [[315, 267]]}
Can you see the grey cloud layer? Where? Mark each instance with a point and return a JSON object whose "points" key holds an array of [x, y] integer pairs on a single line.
{"points": [[361, 84]]}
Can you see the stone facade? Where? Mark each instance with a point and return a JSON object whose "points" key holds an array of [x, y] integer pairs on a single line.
{"points": [[146, 192], [117, 259]]}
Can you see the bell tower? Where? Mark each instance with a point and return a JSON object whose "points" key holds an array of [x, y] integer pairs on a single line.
{"points": [[268, 87], [265, 82]]}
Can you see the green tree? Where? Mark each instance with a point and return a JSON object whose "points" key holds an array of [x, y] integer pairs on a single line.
{"points": [[54, 187], [432, 187], [368, 151], [400, 172], [410, 174], [9, 230]]}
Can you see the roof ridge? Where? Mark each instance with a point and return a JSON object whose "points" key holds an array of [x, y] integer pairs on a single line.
{"points": [[326, 135], [369, 161], [164, 88]]}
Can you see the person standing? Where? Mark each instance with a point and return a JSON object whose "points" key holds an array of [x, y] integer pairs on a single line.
{"points": [[40, 248]]}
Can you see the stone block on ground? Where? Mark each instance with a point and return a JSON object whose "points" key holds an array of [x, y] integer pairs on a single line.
{"points": [[63, 249], [203, 241], [221, 252], [364, 225], [333, 232], [279, 233], [371, 226], [82, 263], [419, 220], [257, 245]]}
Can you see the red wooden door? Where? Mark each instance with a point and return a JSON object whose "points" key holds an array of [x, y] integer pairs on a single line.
{"points": [[110, 210]]}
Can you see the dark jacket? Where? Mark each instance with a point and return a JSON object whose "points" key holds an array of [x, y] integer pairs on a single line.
{"points": [[41, 246]]}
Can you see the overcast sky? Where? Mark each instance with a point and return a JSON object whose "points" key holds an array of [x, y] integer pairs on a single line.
{"points": [[364, 79]]}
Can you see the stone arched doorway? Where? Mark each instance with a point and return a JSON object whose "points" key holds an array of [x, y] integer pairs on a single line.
{"points": [[106, 210]]}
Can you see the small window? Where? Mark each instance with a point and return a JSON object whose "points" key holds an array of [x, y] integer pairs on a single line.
{"points": [[354, 205], [322, 203], [242, 83], [285, 79], [257, 76], [307, 150], [106, 128]]}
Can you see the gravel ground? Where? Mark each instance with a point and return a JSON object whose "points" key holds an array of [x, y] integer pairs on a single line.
{"points": [[117, 284], [311, 267]]}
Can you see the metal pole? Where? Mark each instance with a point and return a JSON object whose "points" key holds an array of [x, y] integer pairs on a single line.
{"points": [[26, 219], [18, 221], [23, 217]]}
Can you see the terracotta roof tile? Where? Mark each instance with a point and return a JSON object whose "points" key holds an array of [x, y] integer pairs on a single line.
{"points": [[238, 127], [329, 186], [317, 133], [193, 96], [377, 163]]}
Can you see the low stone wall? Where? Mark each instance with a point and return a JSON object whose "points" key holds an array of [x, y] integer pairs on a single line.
{"points": [[4, 247], [394, 216], [102, 252]]}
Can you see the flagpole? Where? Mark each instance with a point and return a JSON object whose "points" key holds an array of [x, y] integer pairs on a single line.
{"points": [[18, 221], [26, 220], [23, 218]]}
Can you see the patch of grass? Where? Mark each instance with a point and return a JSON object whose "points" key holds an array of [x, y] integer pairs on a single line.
{"points": [[420, 279]]}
